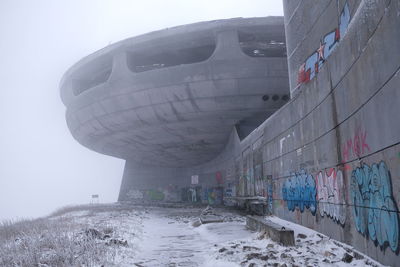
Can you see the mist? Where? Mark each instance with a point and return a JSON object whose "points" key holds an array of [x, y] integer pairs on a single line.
{"points": [[42, 167]]}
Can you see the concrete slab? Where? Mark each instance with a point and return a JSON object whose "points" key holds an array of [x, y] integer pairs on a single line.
{"points": [[275, 232]]}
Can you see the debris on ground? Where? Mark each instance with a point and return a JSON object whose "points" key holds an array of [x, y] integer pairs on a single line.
{"points": [[208, 215]]}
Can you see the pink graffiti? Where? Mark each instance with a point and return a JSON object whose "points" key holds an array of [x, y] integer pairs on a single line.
{"points": [[218, 177], [355, 146], [330, 195]]}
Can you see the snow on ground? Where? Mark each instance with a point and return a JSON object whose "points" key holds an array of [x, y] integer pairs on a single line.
{"points": [[312, 249], [155, 236], [170, 239], [120, 227]]}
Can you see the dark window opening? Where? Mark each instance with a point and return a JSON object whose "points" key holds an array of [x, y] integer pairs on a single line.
{"points": [[262, 45], [285, 98], [154, 59], [91, 75], [265, 97], [247, 125]]}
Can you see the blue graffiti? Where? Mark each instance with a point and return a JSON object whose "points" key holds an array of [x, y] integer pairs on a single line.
{"points": [[312, 65], [300, 191], [375, 211], [344, 20], [270, 192]]}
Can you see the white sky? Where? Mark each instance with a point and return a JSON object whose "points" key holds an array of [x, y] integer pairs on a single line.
{"points": [[41, 166]]}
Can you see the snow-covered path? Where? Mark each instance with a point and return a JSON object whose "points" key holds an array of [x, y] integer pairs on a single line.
{"points": [[169, 239], [135, 235]]}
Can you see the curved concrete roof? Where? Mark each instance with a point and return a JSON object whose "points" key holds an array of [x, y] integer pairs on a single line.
{"points": [[172, 97]]}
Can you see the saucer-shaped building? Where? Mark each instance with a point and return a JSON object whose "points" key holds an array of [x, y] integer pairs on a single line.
{"points": [[168, 101]]}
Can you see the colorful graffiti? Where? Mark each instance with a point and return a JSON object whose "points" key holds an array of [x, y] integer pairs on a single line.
{"points": [[375, 210], [259, 181], [314, 63], [300, 191], [331, 195], [155, 195], [171, 193], [229, 193], [134, 194], [270, 193], [218, 177], [355, 146], [212, 195]]}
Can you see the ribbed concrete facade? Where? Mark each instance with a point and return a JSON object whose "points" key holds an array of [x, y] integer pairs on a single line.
{"points": [[171, 98]]}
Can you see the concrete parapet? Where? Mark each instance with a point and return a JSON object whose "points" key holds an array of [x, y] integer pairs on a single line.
{"points": [[275, 232]]}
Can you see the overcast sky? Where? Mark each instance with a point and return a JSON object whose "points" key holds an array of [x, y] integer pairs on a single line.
{"points": [[41, 166]]}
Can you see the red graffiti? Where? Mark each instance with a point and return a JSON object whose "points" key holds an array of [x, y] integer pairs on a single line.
{"points": [[355, 146], [347, 167], [312, 65], [218, 177], [302, 75]]}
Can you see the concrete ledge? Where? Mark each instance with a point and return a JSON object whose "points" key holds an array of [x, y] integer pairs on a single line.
{"points": [[276, 232], [211, 219]]}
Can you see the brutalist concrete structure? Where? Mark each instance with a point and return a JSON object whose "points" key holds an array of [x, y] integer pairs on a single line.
{"points": [[335, 164], [329, 159], [168, 101]]}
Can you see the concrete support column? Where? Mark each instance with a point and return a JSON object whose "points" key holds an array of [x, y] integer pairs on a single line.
{"points": [[120, 67], [227, 45], [141, 177]]}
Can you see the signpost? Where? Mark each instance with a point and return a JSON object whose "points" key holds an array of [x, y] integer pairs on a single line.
{"points": [[95, 199]]}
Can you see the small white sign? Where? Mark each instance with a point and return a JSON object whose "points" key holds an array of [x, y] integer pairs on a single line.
{"points": [[195, 179]]}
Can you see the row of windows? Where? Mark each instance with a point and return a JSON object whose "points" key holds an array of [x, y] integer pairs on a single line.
{"points": [[99, 71]]}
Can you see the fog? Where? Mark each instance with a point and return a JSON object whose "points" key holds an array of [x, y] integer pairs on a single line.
{"points": [[42, 167]]}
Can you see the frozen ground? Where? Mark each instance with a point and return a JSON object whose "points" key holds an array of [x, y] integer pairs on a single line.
{"points": [[170, 239], [123, 235]]}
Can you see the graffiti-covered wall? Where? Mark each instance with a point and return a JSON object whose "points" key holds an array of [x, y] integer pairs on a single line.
{"points": [[334, 150], [330, 158], [214, 183]]}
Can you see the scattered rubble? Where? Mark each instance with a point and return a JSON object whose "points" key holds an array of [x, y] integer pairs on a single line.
{"points": [[117, 242], [208, 215], [302, 236], [347, 258]]}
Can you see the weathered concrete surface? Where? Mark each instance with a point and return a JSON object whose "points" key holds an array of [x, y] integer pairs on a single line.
{"points": [[330, 158], [171, 98], [275, 232], [335, 162]]}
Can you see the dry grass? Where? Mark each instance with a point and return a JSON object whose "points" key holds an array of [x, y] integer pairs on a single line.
{"points": [[56, 241], [92, 208]]}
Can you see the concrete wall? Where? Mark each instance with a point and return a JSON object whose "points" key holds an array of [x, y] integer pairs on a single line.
{"points": [[335, 160], [330, 158], [216, 179]]}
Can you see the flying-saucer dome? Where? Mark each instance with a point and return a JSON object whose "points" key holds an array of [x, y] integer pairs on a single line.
{"points": [[172, 97]]}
